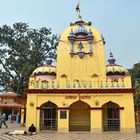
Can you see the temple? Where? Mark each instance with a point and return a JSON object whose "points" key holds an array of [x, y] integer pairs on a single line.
{"points": [[82, 92]]}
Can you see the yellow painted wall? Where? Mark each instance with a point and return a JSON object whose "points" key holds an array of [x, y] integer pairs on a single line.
{"points": [[123, 100]]}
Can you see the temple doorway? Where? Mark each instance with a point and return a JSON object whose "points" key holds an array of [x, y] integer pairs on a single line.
{"points": [[111, 117], [79, 116], [48, 116]]}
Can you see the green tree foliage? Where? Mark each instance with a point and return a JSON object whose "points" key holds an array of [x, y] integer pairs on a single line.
{"points": [[21, 51], [135, 73]]}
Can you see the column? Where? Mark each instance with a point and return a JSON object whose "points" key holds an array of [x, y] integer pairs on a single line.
{"points": [[96, 120], [71, 46], [22, 116], [90, 45], [37, 119], [63, 120], [122, 121], [31, 109]]}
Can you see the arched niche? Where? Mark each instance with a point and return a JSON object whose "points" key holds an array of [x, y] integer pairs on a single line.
{"points": [[111, 116]]}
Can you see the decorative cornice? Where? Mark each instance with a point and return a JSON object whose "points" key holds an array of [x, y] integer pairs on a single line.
{"points": [[39, 108], [100, 108], [81, 23], [59, 108], [96, 108], [79, 91], [91, 108], [44, 73], [121, 108], [63, 108]]}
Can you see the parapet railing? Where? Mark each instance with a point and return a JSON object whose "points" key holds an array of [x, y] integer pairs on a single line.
{"points": [[78, 85]]}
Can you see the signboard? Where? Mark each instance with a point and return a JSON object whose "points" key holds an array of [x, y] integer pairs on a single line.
{"points": [[76, 97]]}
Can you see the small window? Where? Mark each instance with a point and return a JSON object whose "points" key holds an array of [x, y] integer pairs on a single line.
{"points": [[63, 114]]}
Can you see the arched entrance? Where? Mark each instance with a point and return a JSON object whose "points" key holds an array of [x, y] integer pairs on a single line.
{"points": [[111, 117], [48, 116], [79, 116]]}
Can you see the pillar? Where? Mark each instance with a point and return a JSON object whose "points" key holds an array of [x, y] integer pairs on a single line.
{"points": [[96, 120], [71, 46], [31, 116], [37, 119], [122, 120], [63, 123], [22, 116]]}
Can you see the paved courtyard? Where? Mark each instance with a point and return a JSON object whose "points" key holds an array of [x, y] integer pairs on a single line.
{"points": [[65, 136]]}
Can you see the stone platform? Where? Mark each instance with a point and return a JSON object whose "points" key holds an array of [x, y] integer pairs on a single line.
{"points": [[49, 135]]}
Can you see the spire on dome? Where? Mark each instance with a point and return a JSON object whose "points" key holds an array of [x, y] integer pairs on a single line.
{"points": [[49, 60], [111, 59], [80, 21]]}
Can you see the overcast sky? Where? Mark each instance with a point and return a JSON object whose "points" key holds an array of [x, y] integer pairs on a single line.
{"points": [[117, 20]]}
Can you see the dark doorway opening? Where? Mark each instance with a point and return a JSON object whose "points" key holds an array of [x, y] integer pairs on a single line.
{"points": [[111, 117], [48, 116]]}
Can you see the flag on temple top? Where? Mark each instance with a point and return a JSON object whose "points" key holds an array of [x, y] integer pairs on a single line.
{"points": [[78, 8]]}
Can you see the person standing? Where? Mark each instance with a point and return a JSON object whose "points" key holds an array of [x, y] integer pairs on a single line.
{"points": [[3, 119]]}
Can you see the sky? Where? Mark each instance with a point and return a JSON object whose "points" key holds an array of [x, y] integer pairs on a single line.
{"points": [[117, 20]]}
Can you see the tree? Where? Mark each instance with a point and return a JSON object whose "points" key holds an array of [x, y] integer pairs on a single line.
{"points": [[22, 50], [135, 73]]}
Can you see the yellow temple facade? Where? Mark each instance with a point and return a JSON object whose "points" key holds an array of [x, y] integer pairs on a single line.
{"points": [[82, 92]]}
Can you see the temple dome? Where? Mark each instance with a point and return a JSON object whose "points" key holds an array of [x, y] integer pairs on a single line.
{"points": [[45, 70], [116, 70], [113, 69]]}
